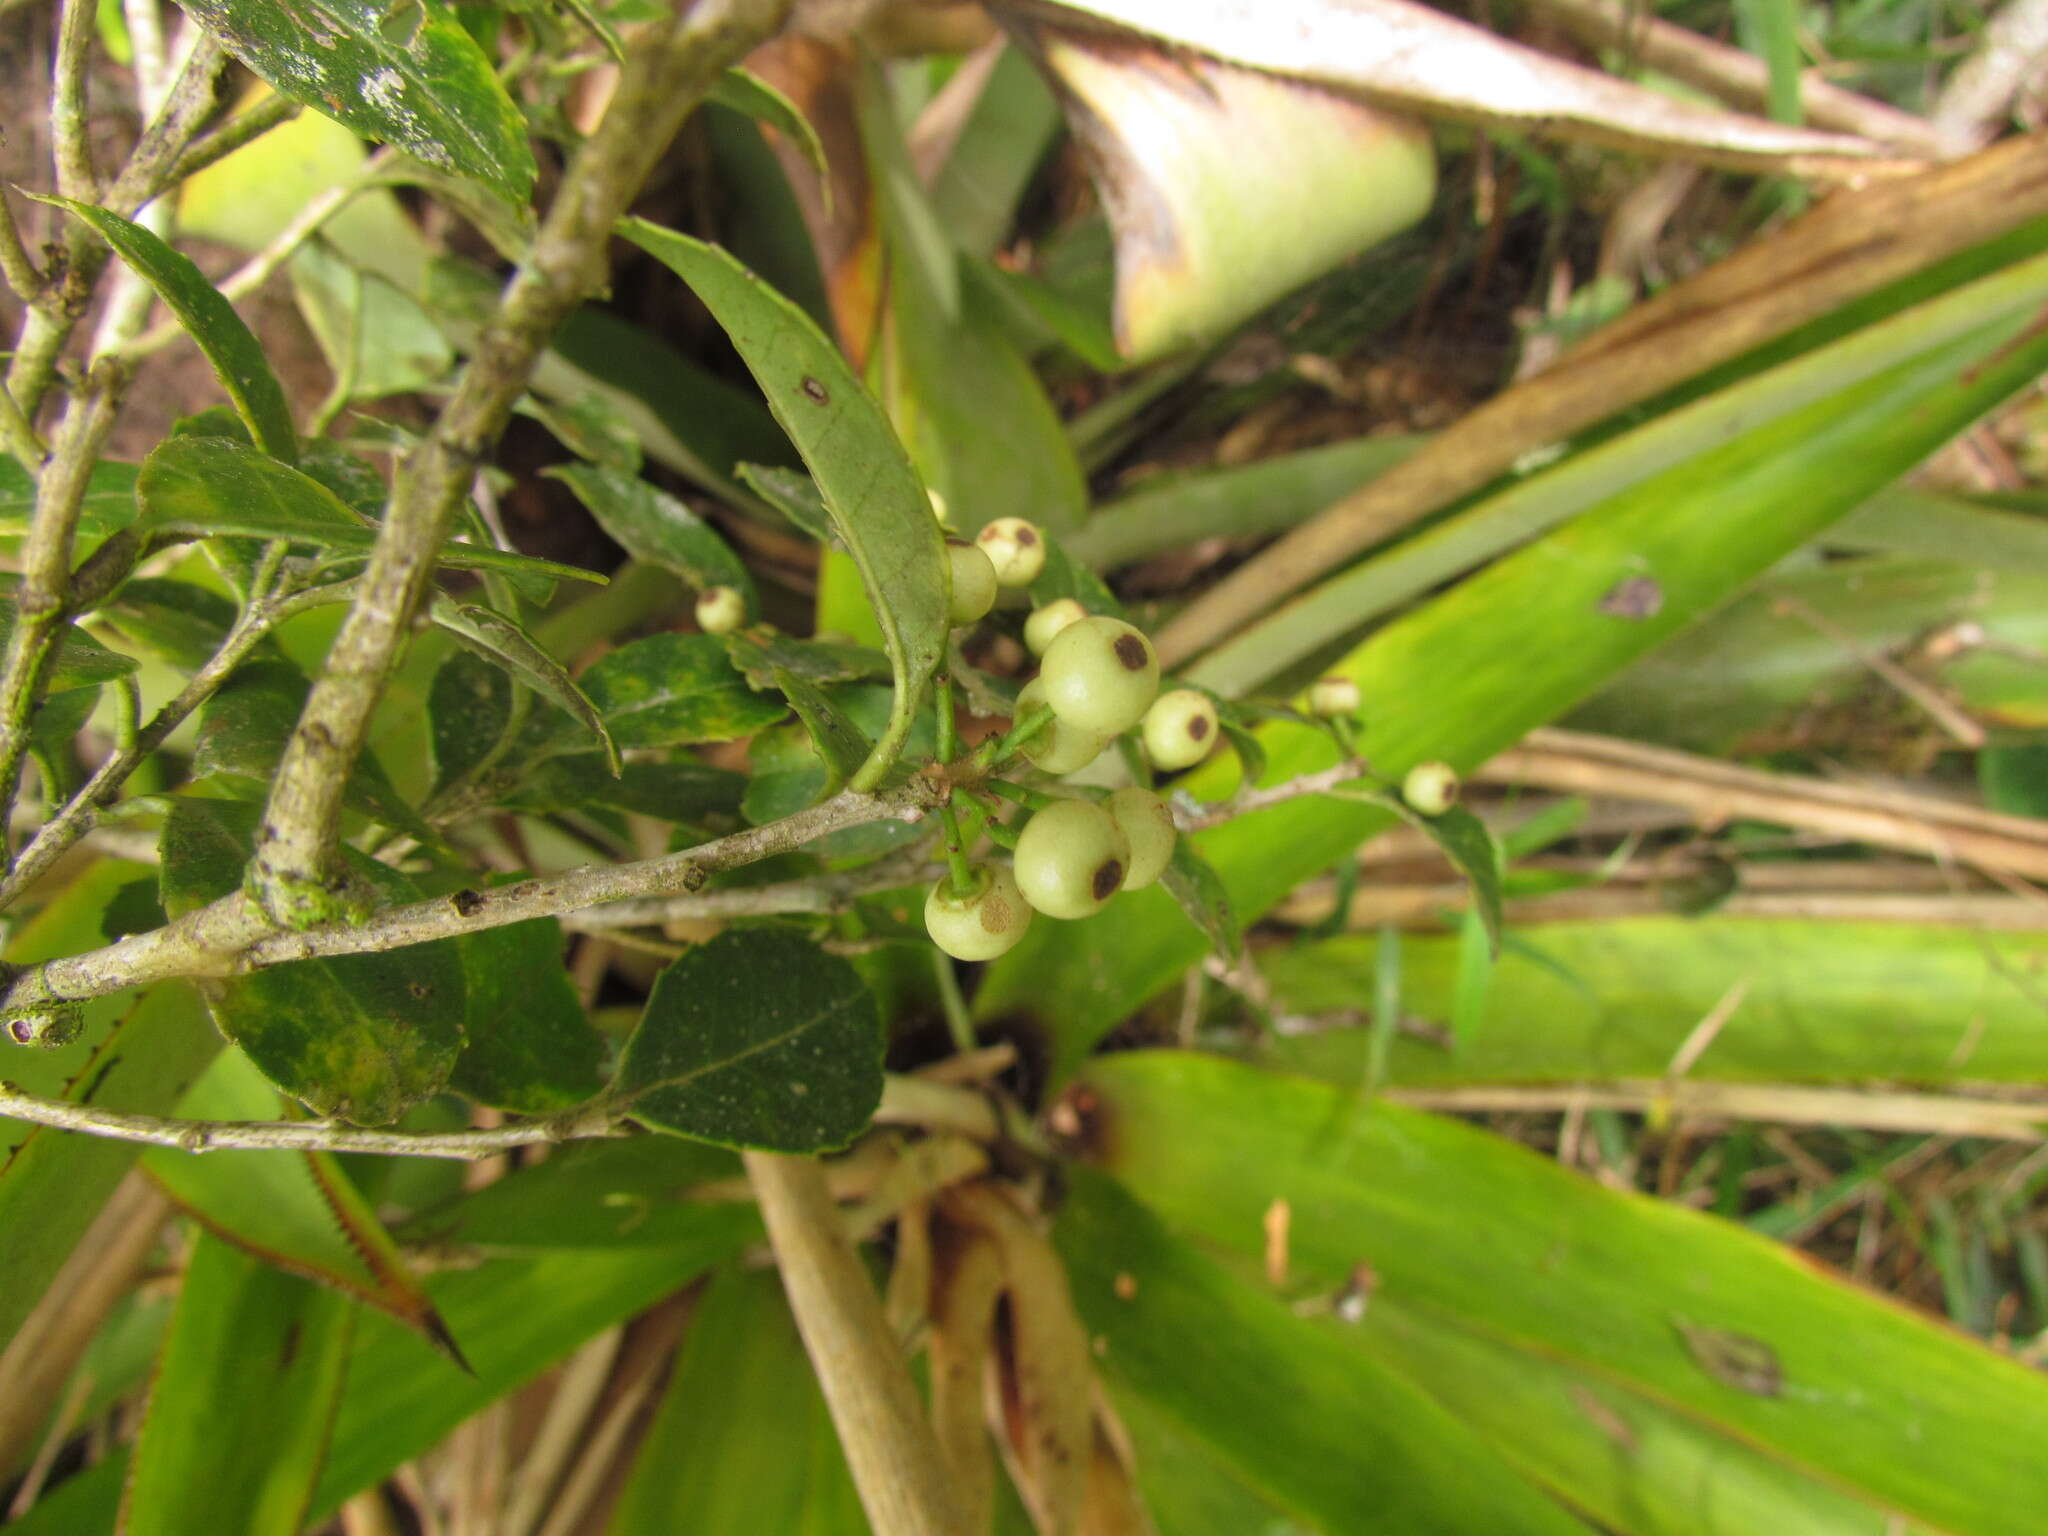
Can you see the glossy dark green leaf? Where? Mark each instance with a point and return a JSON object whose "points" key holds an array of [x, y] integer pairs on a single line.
{"points": [[1064, 576], [758, 1039], [653, 526], [81, 661], [469, 705], [788, 775], [743, 1443], [1193, 882], [795, 495], [358, 1036], [242, 1402], [878, 507], [842, 746], [741, 90], [671, 690], [1331, 1436], [761, 653], [211, 322], [501, 640], [182, 622], [1474, 1232], [529, 1046], [681, 791], [515, 1317], [405, 74], [243, 729], [109, 503]]}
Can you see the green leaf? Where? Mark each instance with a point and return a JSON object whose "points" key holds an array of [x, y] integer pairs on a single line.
{"points": [[209, 319], [80, 662], [1456, 1236], [108, 507], [137, 1055], [682, 791], [653, 526], [494, 637], [357, 1036], [756, 1039], [515, 1317], [297, 1211], [878, 508], [742, 91], [1330, 1435], [242, 1402], [406, 74], [1470, 847], [182, 622], [672, 690], [1064, 576], [373, 335], [243, 729], [742, 1443], [1825, 1001], [795, 495], [2015, 778], [1454, 679], [842, 745], [763, 652], [468, 707], [529, 1047], [1193, 882]]}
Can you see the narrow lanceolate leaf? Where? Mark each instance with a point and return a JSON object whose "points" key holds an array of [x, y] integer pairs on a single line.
{"points": [[841, 744], [242, 1403], [498, 639], [209, 319], [298, 1211], [757, 1039], [1455, 679], [1642, 1300], [741, 90], [743, 1443], [405, 74], [1192, 881], [1464, 839], [358, 1036], [1397, 51], [529, 1046], [672, 690], [653, 526], [1331, 1436], [879, 509]]}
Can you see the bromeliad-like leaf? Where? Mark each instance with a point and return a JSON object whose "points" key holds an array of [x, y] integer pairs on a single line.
{"points": [[529, 1046], [756, 1039], [653, 526], [491, 635], [242, 1401], [358, 1036], [406, 74], [1334, 1437], [672, 690], [878, 508], [209, 319], [1628, 1284], [298, 1211]]}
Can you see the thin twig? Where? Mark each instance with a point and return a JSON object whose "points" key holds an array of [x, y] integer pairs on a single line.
{"points": [[68, 112], [295, 875], [1957, 722], [21, 272], [242, 129], [231, 936], [1193, 817]]}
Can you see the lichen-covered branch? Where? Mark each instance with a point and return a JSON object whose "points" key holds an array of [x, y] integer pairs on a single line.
{"points": [[295, 875], [232, 935]]}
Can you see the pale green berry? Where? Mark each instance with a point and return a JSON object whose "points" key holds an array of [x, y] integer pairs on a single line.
{"points": [[1056, 747], [1333, 696], [720, 610], [1180, 728], [1100, 674], [1147, 826], [986, 922], [1045, 624], [1070, 859], [1430, 788], [974, 583], [1015, 548]]}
